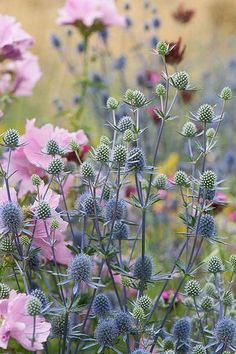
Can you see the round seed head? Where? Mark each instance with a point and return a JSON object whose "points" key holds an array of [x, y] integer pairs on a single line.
{"points": [[181, 80], [54, 224], [33, 261], [226, 94], [205, 113], [215, 265], [120, 231], [225, 330], [143, 271], [228, 298], [210, 290], [43, 210], [139, 351], [11, 138], [87, 171], [232, 260], [128, 136], [41, 296], [208, 179], [36, 180], [210, 133], [188, 302], [125, 281], [207, 194], [189, 130], [129, 95], [125, 123], [34, 306], [168, 344], [181, 179], [103, 153], [58, 325], [112, 103], [199, 349], [52, 147], [119, 154], [107, 333], [80, 268], [207, 304], [162, 48], [182, 329], [115, 210], [138, 313], [24, 240], [12, 216], [74, 145], [139, 99], [145, 302], [135, 160], [87, 205], [104, 140], [4, 291], [207, 226], [160, 90], [6, 244], [101, 305], [123, 322], [160, 181], [192, 288], [56, 166], [106, 193]]}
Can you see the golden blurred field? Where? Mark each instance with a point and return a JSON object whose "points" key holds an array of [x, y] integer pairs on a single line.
{"points": [[210, 34]]}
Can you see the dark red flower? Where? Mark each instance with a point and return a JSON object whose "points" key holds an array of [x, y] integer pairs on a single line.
{"points": [[169, 293], [187, 96], [175, 55], [129, 190], [220, 202], [71, 156], [151, 111], [183, 15]]}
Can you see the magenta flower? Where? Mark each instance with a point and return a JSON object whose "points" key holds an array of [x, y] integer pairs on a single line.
{"points": [[15, 323], [89, 11], [14, 41]]}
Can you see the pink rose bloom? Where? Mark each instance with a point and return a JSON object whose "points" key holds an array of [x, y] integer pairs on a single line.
{"points": [[89, 11], [14, 41], [21, 76], [17, 324]]}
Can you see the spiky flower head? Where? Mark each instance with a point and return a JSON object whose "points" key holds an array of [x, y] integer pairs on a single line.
{"points": [[136, 159], [6, 244], [206, 226], [104, 140], [160, 181], [143, 271], [160, 90], [207, 194], [80, 268], [168, 344], [107, 333], [215, 265], [115, 210], [128, 136], [58, 323], [138, 313], [87, 171], [129, 95], [225, 330], [210, 133], [12, 216], [43, 210], [228, 298], [199, 349], [189, 130], [205, 113], [139, 351], [34, 306], [180, 80], [226, 94], [87, 205], [232, 260], [125, 281], [208, 179], [106, 192], [145, 302], [4, 291], [41, 296], [210, 290], [52, 147], [139, 99], [101, 305], [182, 329], [192, 288], [103, 153], [119, 154], [162, 48], [120, 231], [36, 180], [112, 103], [11, 138], [33, 260], [181, 179], [24, 240], [56, 166], [206, 304], [123, 322], [125, 123], [74, 145], [54, 224]]}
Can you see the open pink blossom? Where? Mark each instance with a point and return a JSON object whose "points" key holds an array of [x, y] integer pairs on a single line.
{"points": [[14, 41], [88, 11], [17, 324]]}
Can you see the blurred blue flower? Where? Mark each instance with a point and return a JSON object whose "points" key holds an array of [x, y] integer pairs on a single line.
{"points": [[153, 41], [119, 63], [128, 22], [156, 22], [55, 41], [103, 34], [80, 47]]}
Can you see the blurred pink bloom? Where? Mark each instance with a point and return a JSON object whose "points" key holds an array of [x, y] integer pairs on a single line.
{"points": [[88, 11], [232, 216], [17, 324], [14, 41]]}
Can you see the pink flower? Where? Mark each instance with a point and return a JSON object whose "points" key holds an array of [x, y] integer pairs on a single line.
{"points": [[17, 324], [88, 11], [14, 41]]}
